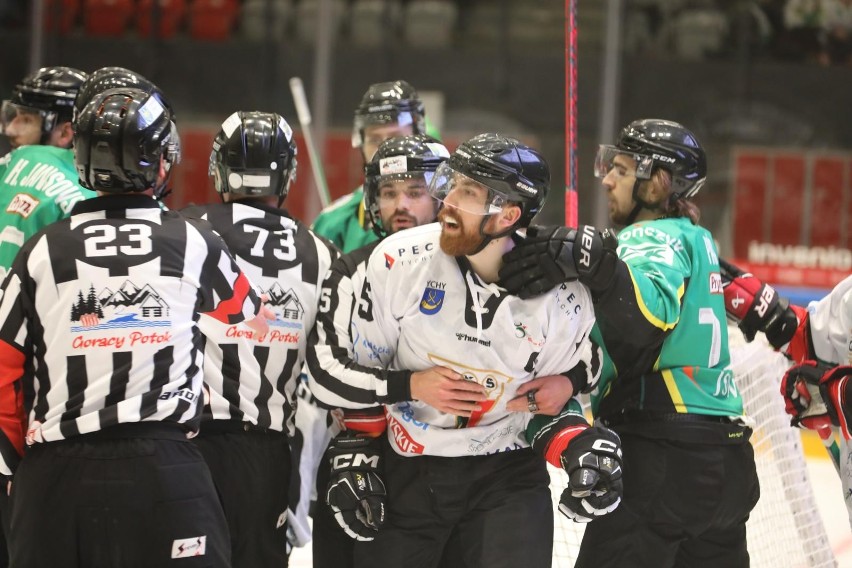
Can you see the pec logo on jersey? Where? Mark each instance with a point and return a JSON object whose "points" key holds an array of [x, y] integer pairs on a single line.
{"points": [[433, 297], [389, 260]]}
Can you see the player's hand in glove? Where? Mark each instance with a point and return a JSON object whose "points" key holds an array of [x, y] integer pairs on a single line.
{"points": [[549, 256], [817, 397], [758, 307], [800, 389], [356, 492], [593, 463]]}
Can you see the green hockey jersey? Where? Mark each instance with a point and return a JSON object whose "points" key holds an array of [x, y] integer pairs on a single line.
{"points": [[38, 185], [664, 327], [344, 222]]}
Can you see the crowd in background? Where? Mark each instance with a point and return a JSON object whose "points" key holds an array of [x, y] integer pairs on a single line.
{"points": [[812, 31]]}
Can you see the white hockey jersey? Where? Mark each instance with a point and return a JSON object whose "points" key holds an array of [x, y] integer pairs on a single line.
{"points": [[831, 325], [425, 308]]}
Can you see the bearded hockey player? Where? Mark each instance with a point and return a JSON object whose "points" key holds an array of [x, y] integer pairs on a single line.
{"points": [[444, 348]]}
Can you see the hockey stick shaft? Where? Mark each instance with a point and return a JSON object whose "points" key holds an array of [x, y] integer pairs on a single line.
{"points": [[571, 202], [297, 88], [730, 269]]}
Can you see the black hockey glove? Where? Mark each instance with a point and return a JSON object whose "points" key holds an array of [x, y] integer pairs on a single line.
{"points": [[356, 492], [549, 256], [758, 307], [593, 462]]}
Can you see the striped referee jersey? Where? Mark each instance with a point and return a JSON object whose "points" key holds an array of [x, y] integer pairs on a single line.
{"points": [[330, 350], [98, 321], [252, 377]]}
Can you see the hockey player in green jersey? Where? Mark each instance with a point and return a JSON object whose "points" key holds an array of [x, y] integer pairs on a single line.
{"points": [[690, 480], [41, 108], [386, 110], [39, 185], [38, 181]]}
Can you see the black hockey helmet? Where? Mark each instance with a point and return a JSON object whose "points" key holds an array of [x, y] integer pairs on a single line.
{"points": [[401, 157], [656, 143], [50, 92], [512, 171], [113, 78], [254, 153], [119, 138], [386, 103]]}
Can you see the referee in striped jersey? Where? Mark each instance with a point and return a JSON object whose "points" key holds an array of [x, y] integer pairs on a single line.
{"points": [[252, 376], [100, 361]]}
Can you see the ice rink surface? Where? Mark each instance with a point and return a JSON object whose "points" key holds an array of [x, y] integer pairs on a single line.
{"points": [[829, 500]]}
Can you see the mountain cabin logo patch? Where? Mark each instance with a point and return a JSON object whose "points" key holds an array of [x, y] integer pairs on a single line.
{"points": [[129, 306], [286, 305]]}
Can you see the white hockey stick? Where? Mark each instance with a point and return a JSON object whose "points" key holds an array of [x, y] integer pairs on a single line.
{"points": [[298, 90]]}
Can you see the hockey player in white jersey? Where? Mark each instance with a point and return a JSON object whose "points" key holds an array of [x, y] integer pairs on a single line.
{"points": [[444, 348], [251, 376], [819, 342], [396, 197]]}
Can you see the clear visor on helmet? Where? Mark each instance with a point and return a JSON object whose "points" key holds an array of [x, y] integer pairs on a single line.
{"points": [[414, 187], [9, 111], [628, 164], [382, 115], [455, 189]]}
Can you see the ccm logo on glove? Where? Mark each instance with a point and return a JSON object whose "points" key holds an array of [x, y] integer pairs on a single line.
{"points": [[354, 460]]}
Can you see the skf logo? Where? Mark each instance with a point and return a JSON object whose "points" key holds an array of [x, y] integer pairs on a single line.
{"points": [[766, 298], [586, 241], [716, 283], [354, 460], [389, 260], [22, 204], [433, 298], [188, 547]]}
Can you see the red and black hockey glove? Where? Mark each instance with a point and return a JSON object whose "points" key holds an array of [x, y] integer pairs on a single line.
{"points": [[356, 492], [593, 463], [817, 397], [756, 306], [802, 401], [835, 386]]}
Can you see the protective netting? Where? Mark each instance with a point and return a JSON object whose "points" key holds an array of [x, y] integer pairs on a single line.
{"points": [[785, 528]]}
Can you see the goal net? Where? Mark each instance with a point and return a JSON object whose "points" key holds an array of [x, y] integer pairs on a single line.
{"points": [[785, 528]]}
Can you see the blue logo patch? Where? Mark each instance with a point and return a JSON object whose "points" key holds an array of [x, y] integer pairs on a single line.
{"points": [[432, 301]]}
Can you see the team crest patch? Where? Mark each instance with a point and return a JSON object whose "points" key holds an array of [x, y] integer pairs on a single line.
{"points": [[432, 301]]}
